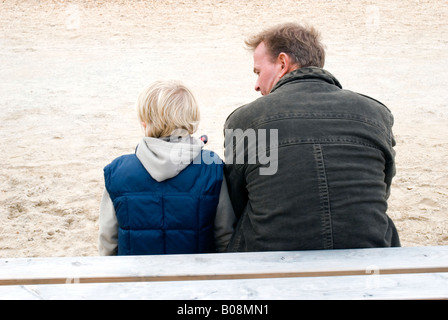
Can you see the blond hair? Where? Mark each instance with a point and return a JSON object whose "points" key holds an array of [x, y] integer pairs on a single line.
{"points": [[302, 44], [167, 106]]}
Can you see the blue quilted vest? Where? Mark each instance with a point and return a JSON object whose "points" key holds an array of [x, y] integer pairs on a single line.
{"points": [[175, 216]]}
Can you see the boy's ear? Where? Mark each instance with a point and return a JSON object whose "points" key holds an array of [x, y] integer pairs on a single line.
{"points": [[143, 124]]}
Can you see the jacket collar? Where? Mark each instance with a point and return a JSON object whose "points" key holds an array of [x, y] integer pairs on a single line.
{"points": [[307, 73]]}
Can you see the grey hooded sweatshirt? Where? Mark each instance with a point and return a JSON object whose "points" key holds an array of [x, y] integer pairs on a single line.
{"points": [[164, 159]]}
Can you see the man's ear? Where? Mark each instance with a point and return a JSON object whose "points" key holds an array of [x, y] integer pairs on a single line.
{"points": [[286, 64]]}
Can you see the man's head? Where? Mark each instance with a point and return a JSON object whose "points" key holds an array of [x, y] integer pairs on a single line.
{"points": [[282, 49]]}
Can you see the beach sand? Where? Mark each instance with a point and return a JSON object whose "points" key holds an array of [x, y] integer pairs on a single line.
{"points": [[70, 73]]}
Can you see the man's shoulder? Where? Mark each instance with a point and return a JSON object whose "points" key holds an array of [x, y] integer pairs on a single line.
{"points": [[373, 100], [236, 114], [239, 117], [365, 102]]}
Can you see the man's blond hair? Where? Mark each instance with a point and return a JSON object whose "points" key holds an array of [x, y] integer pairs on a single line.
{"points": [[167, 106], [302, 44]]}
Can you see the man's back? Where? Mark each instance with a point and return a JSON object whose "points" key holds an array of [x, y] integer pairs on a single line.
{"points": [[335, 166]]}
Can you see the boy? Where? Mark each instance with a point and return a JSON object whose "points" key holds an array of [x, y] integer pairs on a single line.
{"points": [[170, 197]]}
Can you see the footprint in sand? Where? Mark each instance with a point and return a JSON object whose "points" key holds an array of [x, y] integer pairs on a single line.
{"points": [[429, 203]]}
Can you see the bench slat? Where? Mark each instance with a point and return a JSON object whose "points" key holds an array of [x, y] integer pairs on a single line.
{"points": [[224, 266], [399, 286]]}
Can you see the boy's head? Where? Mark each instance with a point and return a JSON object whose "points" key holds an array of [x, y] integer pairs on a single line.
{"points": [[167, 106]]}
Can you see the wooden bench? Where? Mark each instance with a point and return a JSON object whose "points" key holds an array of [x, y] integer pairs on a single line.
{"points": [[389, 273]]}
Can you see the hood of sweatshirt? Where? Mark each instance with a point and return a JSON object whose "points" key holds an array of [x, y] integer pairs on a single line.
{"points": [[165, 158]]}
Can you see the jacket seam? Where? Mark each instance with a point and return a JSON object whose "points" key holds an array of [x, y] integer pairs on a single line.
{"points": [[324, 195], [128, 232], [164, 228], [197, 226], [317, 116], [286, 143]]}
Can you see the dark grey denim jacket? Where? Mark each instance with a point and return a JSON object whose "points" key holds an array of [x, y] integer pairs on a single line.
{"points": [[335, 164]]}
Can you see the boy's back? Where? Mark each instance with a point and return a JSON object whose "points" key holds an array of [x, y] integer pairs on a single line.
{"points": [[174, 216]]}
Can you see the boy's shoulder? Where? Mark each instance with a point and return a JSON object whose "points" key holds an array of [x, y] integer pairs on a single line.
{"points": [[122, 159]]}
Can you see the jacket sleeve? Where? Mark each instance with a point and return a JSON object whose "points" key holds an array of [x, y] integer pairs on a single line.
{"points": [[237, 189], [234, 173], [108, 230], [390, 169], [225, 219]]}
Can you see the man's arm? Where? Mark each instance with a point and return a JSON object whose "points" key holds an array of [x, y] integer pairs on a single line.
{"points": [[234, 173]]}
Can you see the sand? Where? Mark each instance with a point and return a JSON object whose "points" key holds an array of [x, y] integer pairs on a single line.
{"points": [[70, 72]]}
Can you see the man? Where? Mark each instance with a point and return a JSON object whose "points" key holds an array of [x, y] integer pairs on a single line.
{"points": [[330, 150]]}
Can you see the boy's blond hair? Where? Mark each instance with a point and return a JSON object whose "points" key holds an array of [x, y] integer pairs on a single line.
{"points": [[166, 107]]}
